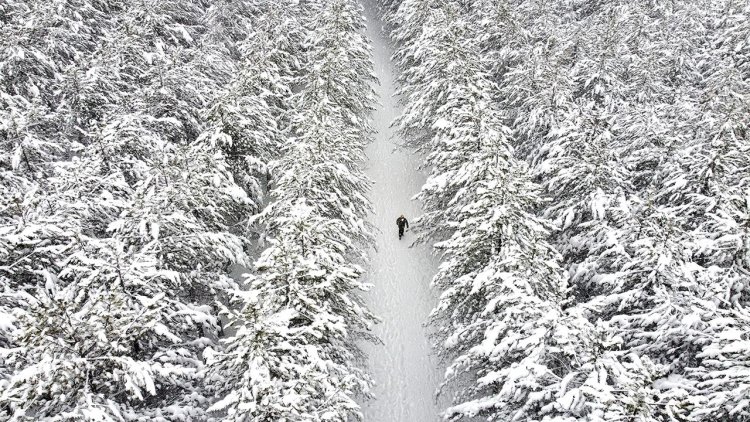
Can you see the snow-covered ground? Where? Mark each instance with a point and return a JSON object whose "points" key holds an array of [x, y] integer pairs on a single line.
{"points": [[404, 368]]}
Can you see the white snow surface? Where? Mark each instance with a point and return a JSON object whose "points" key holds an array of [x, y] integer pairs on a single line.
{"points": [[404, 367]]}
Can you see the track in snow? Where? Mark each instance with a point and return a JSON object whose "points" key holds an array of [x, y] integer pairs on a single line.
{"points": [[404, 369]]}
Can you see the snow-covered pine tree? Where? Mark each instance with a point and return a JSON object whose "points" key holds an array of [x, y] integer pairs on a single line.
{"points": [[500, 316], [44, 52], [303, 366], [411, 23], [103, 342], [294, 355], [716, 174], [247, 122]]}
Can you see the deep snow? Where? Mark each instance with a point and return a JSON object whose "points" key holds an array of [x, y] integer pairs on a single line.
{"points": [[403, 367]]}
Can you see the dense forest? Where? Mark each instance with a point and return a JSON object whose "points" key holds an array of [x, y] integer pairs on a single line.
{"points": [[588, 197], [145, 147]]}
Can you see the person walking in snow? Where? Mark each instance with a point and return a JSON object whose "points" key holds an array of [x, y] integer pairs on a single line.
{"points": [[401, 223]]}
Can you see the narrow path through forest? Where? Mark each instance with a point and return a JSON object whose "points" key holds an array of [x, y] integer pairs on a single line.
{"points": [[404, 369]]}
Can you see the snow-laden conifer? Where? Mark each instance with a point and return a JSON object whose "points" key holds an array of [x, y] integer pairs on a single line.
{"points": [[303, 366], [500, 314], [294, 354]]}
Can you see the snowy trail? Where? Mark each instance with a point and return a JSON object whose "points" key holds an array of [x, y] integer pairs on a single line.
{"points": [[404, 369]]}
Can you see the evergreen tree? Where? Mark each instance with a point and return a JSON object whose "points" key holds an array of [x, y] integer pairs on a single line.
{"points": [[295, 353], [303, 366]]}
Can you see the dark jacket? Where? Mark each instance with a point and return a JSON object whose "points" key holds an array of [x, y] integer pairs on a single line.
{"points": [[401, 222]]}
